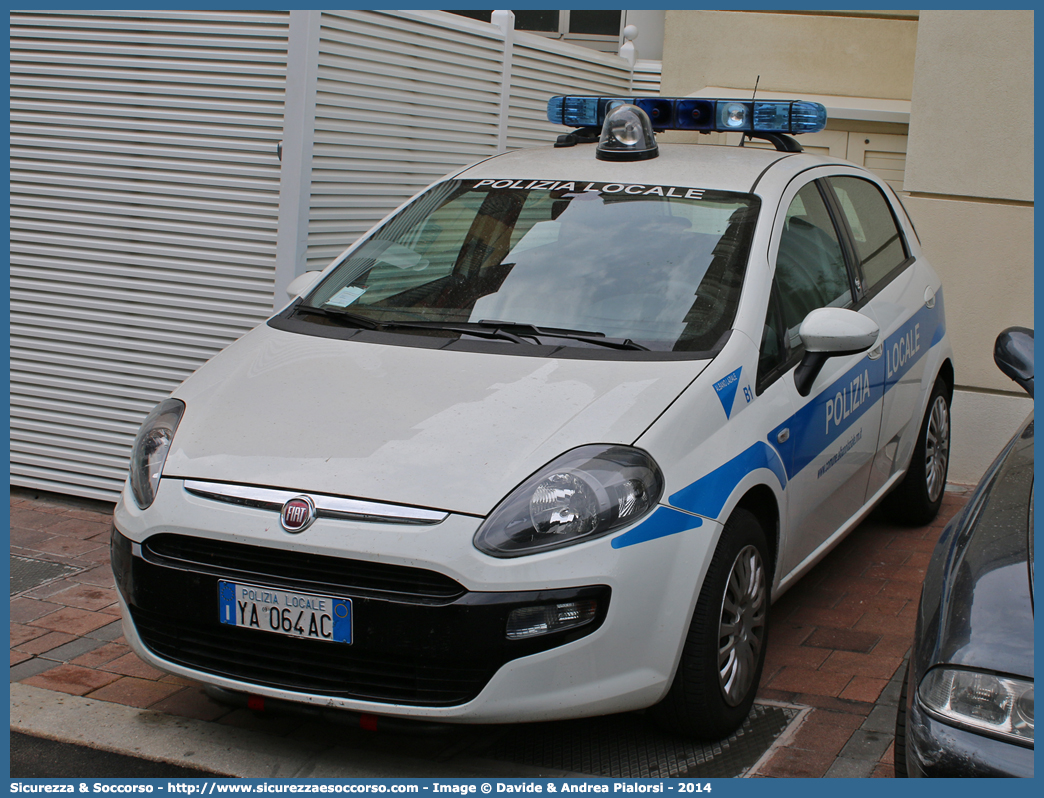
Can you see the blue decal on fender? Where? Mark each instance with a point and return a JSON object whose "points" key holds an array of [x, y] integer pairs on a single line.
{"points": [[707, 495], [726, 388], [663, 522]]}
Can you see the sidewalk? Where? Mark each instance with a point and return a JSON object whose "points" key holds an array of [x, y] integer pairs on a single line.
{"points": [[837, 642]]}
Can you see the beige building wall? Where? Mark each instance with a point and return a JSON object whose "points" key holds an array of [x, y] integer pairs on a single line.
{"points": [[969, 188], [971, 195], [853, 54]]}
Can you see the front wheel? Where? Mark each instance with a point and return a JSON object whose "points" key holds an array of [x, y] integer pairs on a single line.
{"points": [[724, 651], [917, 499]]}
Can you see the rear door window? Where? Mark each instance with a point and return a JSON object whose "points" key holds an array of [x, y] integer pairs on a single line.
{"points": [[879, 244]]}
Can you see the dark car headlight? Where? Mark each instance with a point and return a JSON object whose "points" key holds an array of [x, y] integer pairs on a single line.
{"points": [[997, 705], [150, 450], [584, 494]]}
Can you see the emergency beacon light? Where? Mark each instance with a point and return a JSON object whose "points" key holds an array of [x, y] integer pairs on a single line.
{"points": [[700, 114]]}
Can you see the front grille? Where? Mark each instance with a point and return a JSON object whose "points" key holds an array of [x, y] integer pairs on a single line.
{"points": [[315, 571], [311, 666]]}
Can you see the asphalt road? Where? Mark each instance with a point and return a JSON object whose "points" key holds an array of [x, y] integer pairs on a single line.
{"points": [[37, 758]]}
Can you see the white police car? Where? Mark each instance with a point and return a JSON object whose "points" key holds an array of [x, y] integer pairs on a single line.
{"points": [[545, 443]]}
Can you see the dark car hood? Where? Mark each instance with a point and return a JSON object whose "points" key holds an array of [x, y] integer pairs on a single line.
{"points": [[985, 600]]}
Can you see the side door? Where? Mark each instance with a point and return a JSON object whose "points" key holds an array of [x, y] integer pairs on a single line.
{"points": [[899, 297], [829, 440]]}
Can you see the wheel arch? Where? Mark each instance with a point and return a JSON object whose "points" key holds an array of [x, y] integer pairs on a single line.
{"points": [[933, 373], [946, 374], [760, 501]]}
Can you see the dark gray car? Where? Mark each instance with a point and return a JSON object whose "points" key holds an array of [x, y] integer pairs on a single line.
{"points": [[967, 704]]}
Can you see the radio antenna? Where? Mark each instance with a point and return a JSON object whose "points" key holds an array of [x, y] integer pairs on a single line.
{"points": [[746, 136]]}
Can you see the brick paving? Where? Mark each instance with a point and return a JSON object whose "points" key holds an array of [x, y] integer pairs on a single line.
{"points": [[65, 634], [838, 638], [838, 642]]}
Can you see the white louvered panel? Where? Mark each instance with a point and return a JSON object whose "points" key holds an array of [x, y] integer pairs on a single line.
{"points": [[403, 99], [85, 373], [646, 77], [54, 417], [44, 450], [56, 365], [93, 300], [39, 433], [884, 154], [97, 395], [81, 318], [542, 68], [144, 205]]}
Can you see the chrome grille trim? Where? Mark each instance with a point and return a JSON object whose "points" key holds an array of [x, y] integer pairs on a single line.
{"points": [[325, 506]]}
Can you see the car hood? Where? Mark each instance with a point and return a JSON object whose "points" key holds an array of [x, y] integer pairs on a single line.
{"points": [[987, 606], [451, 430]]}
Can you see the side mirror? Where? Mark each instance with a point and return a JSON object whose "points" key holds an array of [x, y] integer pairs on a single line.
{"points": [[831, 332], [301, 284], [1013, 354]]}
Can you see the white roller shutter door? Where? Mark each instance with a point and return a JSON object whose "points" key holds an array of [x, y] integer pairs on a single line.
{"points": [[403, 98], [144, 201]]}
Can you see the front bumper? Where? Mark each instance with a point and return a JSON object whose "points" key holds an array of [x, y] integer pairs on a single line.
{"points": [[437, 653], [936, 749], [419, 639]]}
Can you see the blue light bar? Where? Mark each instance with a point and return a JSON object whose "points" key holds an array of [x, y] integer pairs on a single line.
{"points": [[691, 113]]}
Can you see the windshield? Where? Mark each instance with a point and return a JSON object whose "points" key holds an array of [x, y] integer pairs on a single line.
{"points": [[657, 266]]}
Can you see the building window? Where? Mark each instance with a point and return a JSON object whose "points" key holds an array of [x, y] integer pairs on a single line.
{"points": [[542, 21], [599, 23], [597, 29]]}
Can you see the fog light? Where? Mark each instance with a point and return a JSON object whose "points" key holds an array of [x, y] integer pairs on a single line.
{"points": [[540, 620]]}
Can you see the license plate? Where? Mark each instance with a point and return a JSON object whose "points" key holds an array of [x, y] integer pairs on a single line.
{"points": [[285, 613]]}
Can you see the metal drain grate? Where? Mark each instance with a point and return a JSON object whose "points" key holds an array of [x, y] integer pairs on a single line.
{"points": [[27, 573], [628, 746]]}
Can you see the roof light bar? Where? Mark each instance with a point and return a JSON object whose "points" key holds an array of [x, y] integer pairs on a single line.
{"points": [[690, 113]]}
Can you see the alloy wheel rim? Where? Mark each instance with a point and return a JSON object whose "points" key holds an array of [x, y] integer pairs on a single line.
{"points": [[937, 448], [741, 631]]}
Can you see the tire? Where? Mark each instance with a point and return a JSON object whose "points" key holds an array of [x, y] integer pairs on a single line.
{"points": [[705, 701], [917, 499], [899, 753]]}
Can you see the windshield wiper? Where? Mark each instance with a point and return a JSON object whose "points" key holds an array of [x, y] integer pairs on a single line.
{"points": [[585, 336], [516, 332], [356, 319]]}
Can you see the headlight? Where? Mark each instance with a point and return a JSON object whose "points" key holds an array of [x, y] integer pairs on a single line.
{"points": [[996, 705], [150, 449], [584, 494]]}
